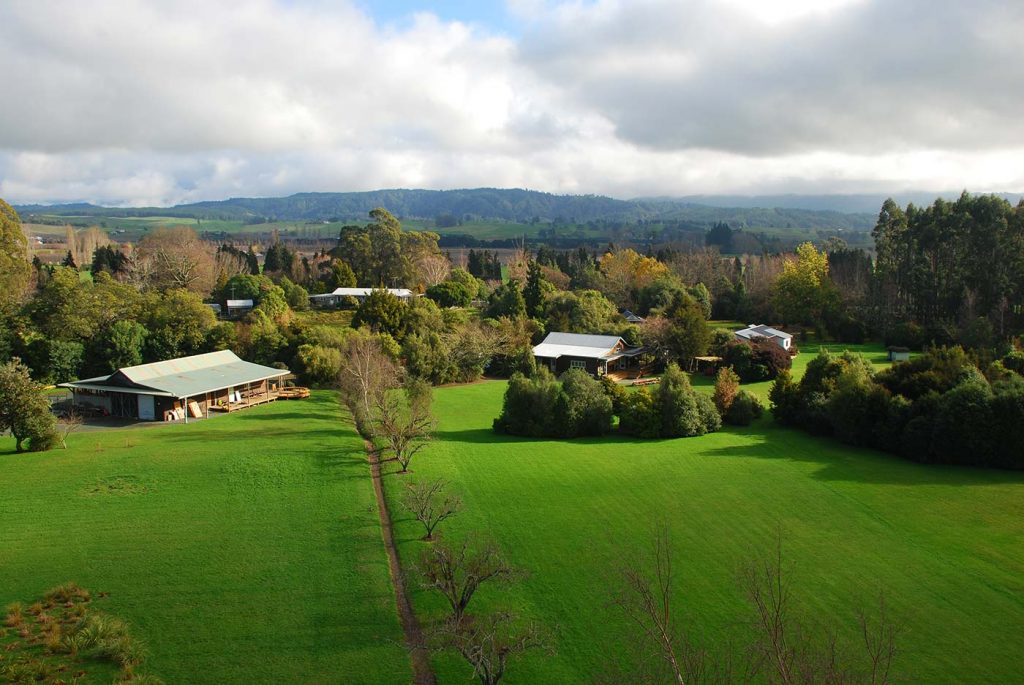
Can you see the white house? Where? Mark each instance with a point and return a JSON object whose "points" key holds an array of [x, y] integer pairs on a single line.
{"points": [[780, 338], [334, 299]]}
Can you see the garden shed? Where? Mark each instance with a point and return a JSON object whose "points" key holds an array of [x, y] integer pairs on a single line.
{"points": [[178, 389]]}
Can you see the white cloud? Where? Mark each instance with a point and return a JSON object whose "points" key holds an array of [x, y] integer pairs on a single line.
{"points": [[160, 102]]}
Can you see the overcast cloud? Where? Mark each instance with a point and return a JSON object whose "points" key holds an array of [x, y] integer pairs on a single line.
{"points": [[168, 102]]}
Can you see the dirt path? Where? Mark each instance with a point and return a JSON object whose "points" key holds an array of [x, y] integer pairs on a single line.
{"points": [[414, 640]]}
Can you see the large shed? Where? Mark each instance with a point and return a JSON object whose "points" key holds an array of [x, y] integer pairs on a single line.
{"points": [[179, 388], [599, 355], [338, 295]]}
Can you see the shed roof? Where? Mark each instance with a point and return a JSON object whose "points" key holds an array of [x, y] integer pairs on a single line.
{"points": [[239, 303], [365, 292], [577, 345], [760, 330], [183, 377]]}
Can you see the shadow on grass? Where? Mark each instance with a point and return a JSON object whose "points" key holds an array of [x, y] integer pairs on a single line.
{"points": [[841, 462], [483, 436]]}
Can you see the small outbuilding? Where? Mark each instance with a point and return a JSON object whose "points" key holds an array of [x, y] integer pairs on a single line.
{"points": [[632, 318], [753, 331], [899, 354], [178, 389], [238, 307], [598, 355], [338, 295]]}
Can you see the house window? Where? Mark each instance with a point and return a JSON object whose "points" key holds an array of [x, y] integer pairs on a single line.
{"points": [[577, 364]]}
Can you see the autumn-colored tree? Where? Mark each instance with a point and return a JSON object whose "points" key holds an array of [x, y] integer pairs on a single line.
{"points": [[727, 386], [627, 272], [803, 291]]}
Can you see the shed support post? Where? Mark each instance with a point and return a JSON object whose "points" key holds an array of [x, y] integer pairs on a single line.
{"points": [[184, 405]]}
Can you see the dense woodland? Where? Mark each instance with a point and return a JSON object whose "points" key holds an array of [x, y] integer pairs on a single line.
{"points": [[947, 275]]}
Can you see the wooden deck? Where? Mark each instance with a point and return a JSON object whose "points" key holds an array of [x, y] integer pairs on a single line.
{"points": [[250, 402]]}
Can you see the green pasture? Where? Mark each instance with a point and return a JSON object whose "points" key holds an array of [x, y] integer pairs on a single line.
{"points": [[946, 545], [242, 549]]}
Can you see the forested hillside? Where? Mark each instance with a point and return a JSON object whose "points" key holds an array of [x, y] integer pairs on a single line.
{"points": [[523, 206]]}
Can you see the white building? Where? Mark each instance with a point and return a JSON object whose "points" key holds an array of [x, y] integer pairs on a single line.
{"points": [[780, 338], [334, 299]]}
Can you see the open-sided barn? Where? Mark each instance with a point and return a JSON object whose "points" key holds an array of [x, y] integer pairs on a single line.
{"points": [[178, 388]]}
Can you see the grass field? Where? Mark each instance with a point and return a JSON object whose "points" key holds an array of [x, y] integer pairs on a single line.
{"points": [[945, 544], [243, 549]]}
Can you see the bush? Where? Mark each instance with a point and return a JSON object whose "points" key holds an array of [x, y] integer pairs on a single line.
{"points": [[744, 410], [588, 407], [450, 294], [755, 361], [530, 405], [321, 365], [785, 400], [727, 385], [639, 415]]}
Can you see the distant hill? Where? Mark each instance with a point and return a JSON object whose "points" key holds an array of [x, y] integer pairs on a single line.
{"points": [[522, 206], [853, 204]]}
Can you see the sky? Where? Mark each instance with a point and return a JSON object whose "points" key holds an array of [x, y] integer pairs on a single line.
{"points": [[172, 101]]}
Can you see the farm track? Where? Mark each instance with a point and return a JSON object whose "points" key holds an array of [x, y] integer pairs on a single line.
{"points": [[415, 641]]}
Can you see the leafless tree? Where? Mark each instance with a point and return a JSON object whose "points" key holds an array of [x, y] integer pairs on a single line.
{"points": [[645, 598], [430, 504], [367, 375], [68, 424], [403, 421], [490, 642], [433, 268], [779, 647], [230, 264], [180, 259], [458, 570], [784, 650], [879, 633]]}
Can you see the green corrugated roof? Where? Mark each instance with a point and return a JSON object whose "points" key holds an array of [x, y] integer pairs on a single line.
{"points": [[187, 376]]}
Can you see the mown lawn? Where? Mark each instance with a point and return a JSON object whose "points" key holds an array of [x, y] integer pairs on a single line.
{"points": [[946, 545], [243, 549]]}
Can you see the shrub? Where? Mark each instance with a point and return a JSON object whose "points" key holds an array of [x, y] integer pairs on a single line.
{"points": [[785, 400], [744, 410], [727, 385], [639, 415], [450, 294], [532, 406], [907, 334], [615, 392], [720, 338], [588, 408], [755, 361]]}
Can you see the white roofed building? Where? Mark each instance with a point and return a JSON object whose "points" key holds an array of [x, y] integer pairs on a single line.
{"points": [[753, 331], [335, 298], [599, 355]]}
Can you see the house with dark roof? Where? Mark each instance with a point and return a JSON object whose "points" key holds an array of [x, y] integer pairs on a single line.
{"points": [[598, 355], [179, 388], [780, 338]]}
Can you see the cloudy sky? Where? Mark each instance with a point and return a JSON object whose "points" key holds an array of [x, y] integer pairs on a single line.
{"points": [[170, 101]]}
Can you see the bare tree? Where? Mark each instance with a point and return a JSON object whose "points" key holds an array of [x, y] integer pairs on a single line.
{"points": [[457, 572], [180, 259], [68, 424], [367, 375], [430, 504], [490, 642], [645, 597], [784, 650], [433, 268], [403, 420], [879, 634]]}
